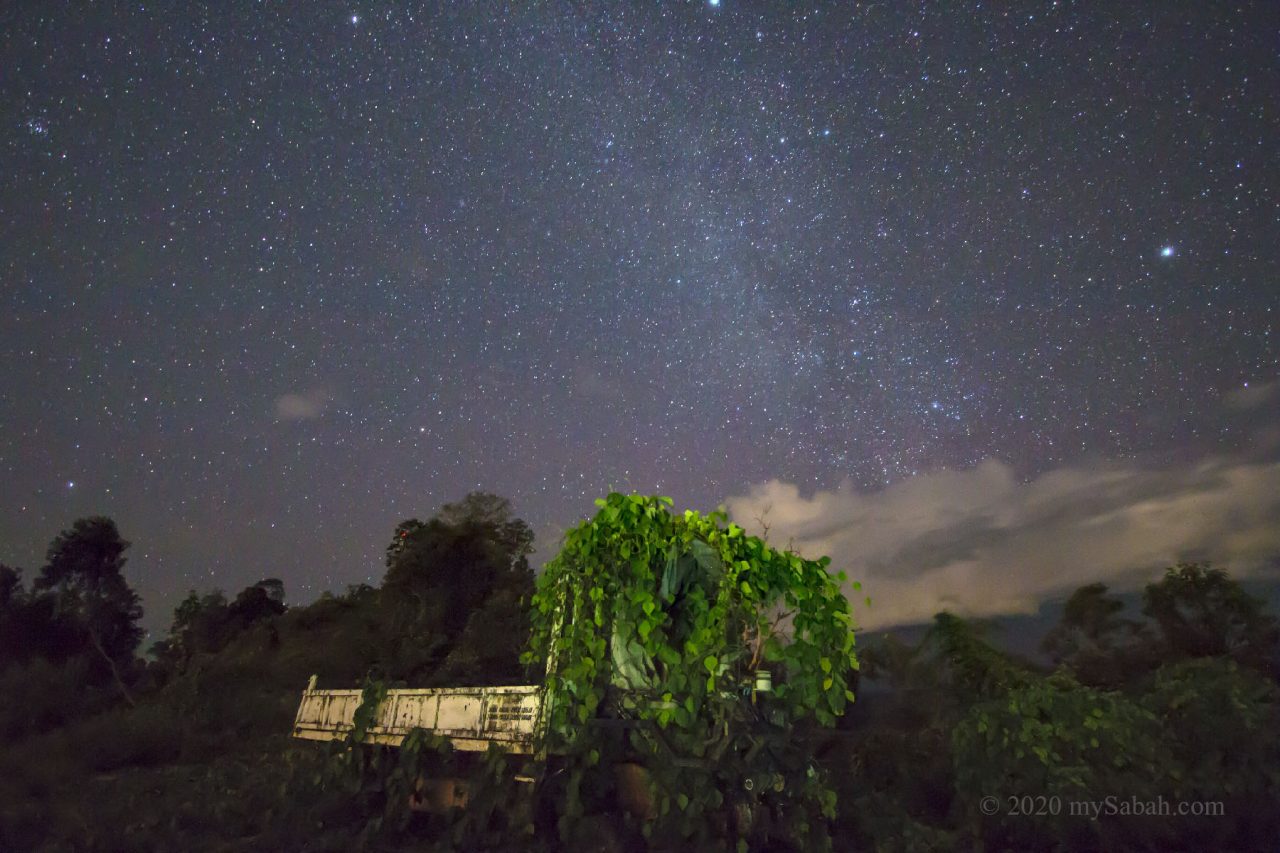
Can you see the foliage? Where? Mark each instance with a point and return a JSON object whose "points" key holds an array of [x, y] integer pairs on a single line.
{"points": [[662, 620], [72, 633], [117, 785], [83, 569], [1219, 720], [463, 572], [1095, 641], [31, 626], [257, 602], [203, 762], [967, 665], [382, 783], [204, 624], [1202, 612], [42, 695], [1055, 738]]}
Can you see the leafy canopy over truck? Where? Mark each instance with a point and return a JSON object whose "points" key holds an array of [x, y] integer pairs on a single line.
{"points": [[669, 623]]}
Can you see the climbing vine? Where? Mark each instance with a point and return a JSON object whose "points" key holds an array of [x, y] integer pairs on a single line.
{"points": [[658, 630], [384, 782]]}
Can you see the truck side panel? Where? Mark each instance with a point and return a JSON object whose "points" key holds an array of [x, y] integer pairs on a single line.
{"points": [[472, 718]]}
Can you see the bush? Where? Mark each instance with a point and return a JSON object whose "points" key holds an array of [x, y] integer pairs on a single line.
{"points": [[1057, 741], [40, 696]]}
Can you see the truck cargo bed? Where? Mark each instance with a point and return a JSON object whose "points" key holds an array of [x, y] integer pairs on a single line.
{"points": [[472, 718]]}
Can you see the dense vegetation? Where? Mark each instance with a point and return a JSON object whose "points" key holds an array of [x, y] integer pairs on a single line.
{"points": [[664, 623], [188, 748]]}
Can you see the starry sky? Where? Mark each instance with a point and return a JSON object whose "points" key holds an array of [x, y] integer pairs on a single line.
{"points": [[275, 276]]}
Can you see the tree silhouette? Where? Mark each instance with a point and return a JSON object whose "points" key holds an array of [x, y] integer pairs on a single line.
{"points": [[1096, 642], [83, 571], [1201, 612], [262, 600], [454, 589]]}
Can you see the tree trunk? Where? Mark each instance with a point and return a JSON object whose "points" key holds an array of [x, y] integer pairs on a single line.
{"points": [[115, 672]]}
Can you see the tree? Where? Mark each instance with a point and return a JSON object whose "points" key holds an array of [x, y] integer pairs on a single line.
{"points": [[14, 642], [1057, 740], [1201, 612], [1099, 645], [454, 590], [262, 600], [199, 626], [10, 584], [969, 665], [204, 624], [83, 571], [31, 626], [1219, 719], [493, 514]]}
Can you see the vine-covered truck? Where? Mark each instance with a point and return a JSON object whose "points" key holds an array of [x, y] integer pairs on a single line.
{"points": [[684, 660]]}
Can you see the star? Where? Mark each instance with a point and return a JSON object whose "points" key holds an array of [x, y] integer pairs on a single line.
{"points": [[741, 250]]}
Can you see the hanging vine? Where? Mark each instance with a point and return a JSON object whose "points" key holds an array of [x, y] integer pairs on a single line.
{"points": [[657, 628]]}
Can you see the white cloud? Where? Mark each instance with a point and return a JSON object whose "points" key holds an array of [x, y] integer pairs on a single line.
{"points": [[1251, 396], [302, 405], [981, 543]]}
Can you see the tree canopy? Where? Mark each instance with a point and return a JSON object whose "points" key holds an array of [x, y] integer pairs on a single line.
{"points": [[83, 569], [1200, 611], [455, 592]]}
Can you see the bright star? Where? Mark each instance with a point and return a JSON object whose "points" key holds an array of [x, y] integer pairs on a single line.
{"points": [[714, 2], [1166, 252], [355, 19]]}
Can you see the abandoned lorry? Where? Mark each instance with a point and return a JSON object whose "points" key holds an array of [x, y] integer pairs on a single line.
{"points": [[681, 661]]}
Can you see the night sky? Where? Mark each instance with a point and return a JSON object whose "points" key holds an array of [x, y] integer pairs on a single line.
{"points": [[274, 276]]}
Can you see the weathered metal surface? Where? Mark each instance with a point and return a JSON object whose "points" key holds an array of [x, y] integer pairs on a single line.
{"points": [[472, 718]]}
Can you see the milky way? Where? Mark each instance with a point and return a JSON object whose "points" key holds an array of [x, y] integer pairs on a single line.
{"points": [[276, 276]]}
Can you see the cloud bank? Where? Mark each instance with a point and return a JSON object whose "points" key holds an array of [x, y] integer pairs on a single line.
{"points": [[980, 543], [302, 405]]}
